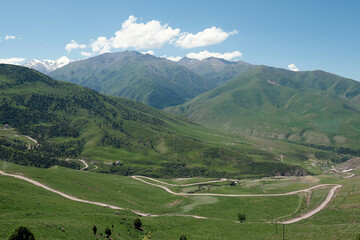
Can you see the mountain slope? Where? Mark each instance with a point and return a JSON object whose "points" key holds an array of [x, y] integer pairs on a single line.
{"points": [[152, 80], [72, 121], [314, 107], [46, 66], [215, 69]]}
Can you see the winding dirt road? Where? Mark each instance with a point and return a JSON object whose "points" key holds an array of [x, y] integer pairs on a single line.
{"points": [[307, 215]]}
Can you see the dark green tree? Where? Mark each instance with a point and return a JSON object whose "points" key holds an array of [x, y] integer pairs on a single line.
{"points": [[137, 223], [94, 229], [241, 217], [357, 236], [183, 237], [22, 233], [107, 232]]}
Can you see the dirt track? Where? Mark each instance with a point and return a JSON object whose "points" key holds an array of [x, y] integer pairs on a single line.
{"points": [[307, 215]]}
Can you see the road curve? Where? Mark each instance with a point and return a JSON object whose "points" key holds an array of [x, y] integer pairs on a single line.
{"points": [[85, 163], [228, 195], [316, 210]]}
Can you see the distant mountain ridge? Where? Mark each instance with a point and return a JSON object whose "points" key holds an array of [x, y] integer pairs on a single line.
{"points": [[215, 69], [156, 81], [46, 66]]}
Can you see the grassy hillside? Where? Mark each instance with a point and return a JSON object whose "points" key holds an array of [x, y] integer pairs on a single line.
{"points": [[311, 107], [145, 78], [71, 121]]}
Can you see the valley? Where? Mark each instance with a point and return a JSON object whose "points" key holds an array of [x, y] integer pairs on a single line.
{"points": [[278, 148]]}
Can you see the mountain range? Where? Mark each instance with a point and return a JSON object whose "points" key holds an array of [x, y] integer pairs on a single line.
{"points": [[46, 66], [152, 80], [312, 107]]}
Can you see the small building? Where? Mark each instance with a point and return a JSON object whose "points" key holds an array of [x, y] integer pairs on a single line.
{"points": [[6, 126]]}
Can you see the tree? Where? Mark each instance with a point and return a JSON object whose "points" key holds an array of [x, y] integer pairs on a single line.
{"points": [[94, 229], [183, 237], [137, 223], [22, 233], [107, 232], [357, 236], [241, 217], [232, 183]]}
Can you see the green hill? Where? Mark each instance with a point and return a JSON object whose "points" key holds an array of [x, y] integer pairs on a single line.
{"points": [[142, 77], [71, 121], [311, 107], [215, 69]]}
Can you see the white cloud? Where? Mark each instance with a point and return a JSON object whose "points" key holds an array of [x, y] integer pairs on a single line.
{"points": [[205, 54], [7, 37], [101, 45], [174, 59], [151, 52], [143, 35], [292, 67], [15, 61], [73, 45], [209, 36], [152, 35], [86, 54]]}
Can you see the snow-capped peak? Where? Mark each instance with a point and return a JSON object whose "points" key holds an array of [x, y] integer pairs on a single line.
{"points": [[47, 65]]}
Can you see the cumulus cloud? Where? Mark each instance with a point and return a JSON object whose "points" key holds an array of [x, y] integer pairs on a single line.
{"points": [[7, 37], [174, 59], [209, 36], [205, 54], [292, 67], [73, 45], [143, 35], [152, 35], [151, 52], [15, 61], [101, 45]]}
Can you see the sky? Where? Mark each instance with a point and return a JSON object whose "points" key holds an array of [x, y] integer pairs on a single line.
{"points": [[299, 35]]}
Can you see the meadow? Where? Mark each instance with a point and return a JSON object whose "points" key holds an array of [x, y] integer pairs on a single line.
{"points": [[50, 216]]}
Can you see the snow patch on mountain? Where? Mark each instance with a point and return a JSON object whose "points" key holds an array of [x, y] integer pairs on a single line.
{"points": [[46, 66]]}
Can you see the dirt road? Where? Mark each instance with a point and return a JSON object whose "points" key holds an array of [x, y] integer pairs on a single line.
{"points": [[307, 215]]}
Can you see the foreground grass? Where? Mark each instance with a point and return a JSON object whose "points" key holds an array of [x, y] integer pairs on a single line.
{"points": [[50, 216]]}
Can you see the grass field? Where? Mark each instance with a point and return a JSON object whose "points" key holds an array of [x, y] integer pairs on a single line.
{"points": [[50, 216]]}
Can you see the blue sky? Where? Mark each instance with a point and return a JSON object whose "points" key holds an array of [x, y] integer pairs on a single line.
{"points": [[309, 34]]}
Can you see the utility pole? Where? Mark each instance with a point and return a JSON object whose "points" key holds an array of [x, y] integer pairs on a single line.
{"points": [[283, 231]]}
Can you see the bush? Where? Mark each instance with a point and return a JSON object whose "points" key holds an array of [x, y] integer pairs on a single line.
{"points": [[22, 233], [107, 232], [241, 217], [137, 223], [183, 237]]}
